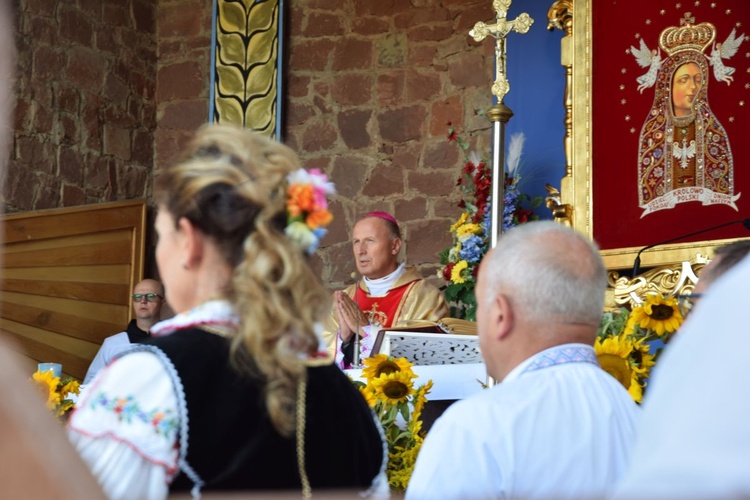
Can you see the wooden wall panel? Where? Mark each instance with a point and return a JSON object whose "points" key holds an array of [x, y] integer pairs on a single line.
{"points": [[66, 279], [75, 355]]}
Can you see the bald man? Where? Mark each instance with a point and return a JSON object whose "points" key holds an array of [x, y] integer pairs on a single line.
{"points": [[557, 426], [148, 299]]}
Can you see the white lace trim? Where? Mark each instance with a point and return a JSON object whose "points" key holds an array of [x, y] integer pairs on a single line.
{"points": [[221, 313], [213, 312]]}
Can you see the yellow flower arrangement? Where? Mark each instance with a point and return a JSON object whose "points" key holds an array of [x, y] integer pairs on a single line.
{"points": [[391, 394], [56, 392], [626, 339]]}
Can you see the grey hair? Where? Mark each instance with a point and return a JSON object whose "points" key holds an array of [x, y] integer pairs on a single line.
{"points": [[548, 272]]}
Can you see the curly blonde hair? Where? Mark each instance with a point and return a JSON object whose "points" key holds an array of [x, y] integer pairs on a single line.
{"points": [[232, 186]]}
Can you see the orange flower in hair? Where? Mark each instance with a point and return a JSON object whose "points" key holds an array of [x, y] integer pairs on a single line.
{"points": [[307, 207], [299, 199], [318, 218]]}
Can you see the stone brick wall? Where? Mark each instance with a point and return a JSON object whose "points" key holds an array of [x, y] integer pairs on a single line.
{"points": [[85, 112], [371, 86], [110, 90], [183, 74]]}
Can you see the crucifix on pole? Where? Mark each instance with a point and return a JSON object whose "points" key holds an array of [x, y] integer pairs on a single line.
{"points": [[499, 113]]}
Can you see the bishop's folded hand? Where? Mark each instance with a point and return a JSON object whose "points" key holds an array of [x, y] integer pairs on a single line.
{"points": [[350, 317]]}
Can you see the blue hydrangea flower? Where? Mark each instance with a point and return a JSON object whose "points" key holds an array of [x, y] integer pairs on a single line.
{"points": [[472, 250], [510, 203], [487, 220]]}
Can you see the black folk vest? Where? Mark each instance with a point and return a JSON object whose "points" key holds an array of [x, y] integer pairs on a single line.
{"points": [[231, 443]]}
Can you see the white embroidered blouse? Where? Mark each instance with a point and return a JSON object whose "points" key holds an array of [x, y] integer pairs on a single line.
{"points": [[126, 423]]}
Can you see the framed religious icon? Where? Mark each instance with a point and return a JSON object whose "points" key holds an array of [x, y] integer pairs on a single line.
{"points": [[656, 97], [246, 64]]}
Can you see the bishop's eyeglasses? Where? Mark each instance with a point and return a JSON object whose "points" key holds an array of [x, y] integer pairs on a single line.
{"points": [[150, 297]]}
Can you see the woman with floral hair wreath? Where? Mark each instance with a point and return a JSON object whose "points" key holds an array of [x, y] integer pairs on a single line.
{"points": [[236, 391]]}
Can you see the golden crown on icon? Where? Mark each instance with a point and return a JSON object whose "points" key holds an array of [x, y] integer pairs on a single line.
{"points": [[687, 37]]}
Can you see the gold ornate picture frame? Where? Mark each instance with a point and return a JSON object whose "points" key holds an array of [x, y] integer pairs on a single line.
{"points": [[602, 74]]}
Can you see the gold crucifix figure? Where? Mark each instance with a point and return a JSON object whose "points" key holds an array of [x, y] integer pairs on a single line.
{"points": [[499, 31]]}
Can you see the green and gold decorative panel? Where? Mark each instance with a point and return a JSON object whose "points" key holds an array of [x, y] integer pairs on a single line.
{"points": [[246, 62]]}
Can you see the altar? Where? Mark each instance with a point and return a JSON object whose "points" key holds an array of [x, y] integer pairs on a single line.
{"points": [[452, 362]]}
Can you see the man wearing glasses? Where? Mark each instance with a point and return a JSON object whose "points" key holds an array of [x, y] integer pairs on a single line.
{"points": [[148, 298]]}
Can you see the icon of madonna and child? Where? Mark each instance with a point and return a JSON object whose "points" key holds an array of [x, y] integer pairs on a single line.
{"points": [[684, 153]]}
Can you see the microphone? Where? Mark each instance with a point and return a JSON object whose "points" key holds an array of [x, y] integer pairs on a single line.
{"points": [[637, 262], [356, 355]]}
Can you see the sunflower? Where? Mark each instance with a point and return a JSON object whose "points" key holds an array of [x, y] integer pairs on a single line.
{"points": [[369, 394], [466, 230], [64, 407], [47, 384], [460, 222], [401, 463], [384, 364], [615, 357], [71, 386], [641, 359], [658, 314], [420, 399], [415, 426], [457, 275], [393, 388]]}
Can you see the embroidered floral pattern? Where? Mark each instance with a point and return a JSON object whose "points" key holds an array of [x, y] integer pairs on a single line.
{"points": [[127, 409]]}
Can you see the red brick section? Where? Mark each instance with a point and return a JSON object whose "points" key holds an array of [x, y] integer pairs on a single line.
{"points": [[109, 91], [183, 74], [84, 105]]}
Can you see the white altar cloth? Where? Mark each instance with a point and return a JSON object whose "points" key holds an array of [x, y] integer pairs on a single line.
{"points": [[449, 381], [452, 362]]}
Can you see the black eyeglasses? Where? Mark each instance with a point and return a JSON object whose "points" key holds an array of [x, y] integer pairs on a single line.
{"points": [[150, 297], [687, 302]]}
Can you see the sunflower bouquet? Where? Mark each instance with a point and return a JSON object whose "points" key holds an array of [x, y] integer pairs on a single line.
{"points": [[629, 341], [56, 391], [471, 232], [390, 392]]}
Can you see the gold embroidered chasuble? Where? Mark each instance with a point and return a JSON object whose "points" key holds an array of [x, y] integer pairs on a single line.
{"points": [[420, 301]]}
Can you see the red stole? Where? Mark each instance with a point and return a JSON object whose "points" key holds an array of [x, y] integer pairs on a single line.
{"points": [[383, 310]]}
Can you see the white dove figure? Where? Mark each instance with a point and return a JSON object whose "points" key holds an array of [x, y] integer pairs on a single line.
{"points": [[725, 50], [646, 57]]}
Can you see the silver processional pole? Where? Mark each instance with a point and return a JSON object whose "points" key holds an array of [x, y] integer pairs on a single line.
{"points": [[499, 113]]}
